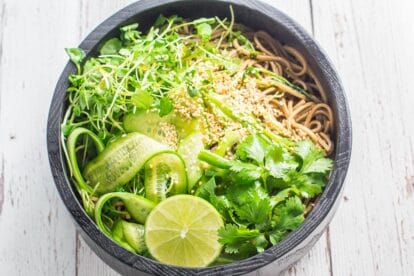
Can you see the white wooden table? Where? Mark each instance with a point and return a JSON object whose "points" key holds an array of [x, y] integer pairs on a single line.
{"points": [[371, 42]]}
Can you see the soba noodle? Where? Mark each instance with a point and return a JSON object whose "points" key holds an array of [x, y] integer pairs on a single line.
{"points": [[296, 115]]}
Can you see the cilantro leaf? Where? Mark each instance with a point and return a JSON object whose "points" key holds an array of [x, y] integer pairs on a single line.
{"points": [[245, 172], [261, 243], [207, 192], [294, 206], [286, 217], [284, 194], [207, 189], [273, 158], [276, 236], [279, 169], [256, 211], [307, 186], [251, 204], [251, 148], [313, 159], [321, 165], [241, 194], [231, 234], [239, 239], [304, 184]]}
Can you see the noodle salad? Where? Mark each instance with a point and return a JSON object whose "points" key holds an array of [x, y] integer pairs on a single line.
{"points": [[198, 142]]}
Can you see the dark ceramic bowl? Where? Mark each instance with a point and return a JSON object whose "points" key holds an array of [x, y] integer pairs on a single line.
{"points": [[258, 16]]}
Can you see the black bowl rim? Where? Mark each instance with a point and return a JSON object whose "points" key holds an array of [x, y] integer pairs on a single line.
{"points": [[322, 209]]}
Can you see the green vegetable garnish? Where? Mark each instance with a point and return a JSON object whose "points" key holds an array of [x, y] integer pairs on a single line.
{"points": [[263, 189]]}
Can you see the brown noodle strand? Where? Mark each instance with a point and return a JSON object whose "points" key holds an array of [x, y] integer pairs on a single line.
{"points": [[290, 112], [300, 59], [301, 84], [240, 49]]}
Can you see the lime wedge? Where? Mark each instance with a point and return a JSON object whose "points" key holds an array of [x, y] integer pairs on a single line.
{"points": [[182, 231]]}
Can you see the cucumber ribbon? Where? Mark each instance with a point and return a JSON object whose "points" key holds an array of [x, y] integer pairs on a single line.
{"points": [[128, 234], [83, 188], [121, 160]]}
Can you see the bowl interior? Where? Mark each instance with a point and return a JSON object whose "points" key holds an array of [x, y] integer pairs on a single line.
{"points": [[253, 14]]}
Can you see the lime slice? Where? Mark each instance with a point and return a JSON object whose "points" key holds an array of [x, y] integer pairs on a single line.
{"points": [[182, 231]]}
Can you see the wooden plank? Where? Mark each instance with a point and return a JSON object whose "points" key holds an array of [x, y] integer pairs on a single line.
{"points": [[2, 25], [371, 43], [299, 10], [88, 263], [37, 236]]}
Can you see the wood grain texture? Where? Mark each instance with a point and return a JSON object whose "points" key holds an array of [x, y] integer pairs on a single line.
{"points": [[37, 236], [369, 41]]}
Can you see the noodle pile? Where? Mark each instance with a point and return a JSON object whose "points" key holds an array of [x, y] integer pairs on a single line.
{"points": [[285, 110]]}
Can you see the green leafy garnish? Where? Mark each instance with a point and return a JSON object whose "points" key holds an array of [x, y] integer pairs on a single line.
{"points": [[111, 47], [264, 187], [142, 100], [313, 160], [76, 55], [286, 218], [165, 107], [239, 239], [252, 148], [129, 33], [204, 30]]}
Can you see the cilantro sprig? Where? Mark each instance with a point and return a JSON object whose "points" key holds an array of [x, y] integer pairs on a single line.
{"points": [[261, 192]]}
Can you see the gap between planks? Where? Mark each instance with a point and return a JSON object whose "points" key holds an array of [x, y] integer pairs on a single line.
{"points": [[2, 184], [2, 25]]}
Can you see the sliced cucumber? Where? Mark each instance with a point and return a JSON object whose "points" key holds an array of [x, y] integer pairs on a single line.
{"points": [[137, 206], [185, 127], [147, 123], [228, 141], [134, 235], [119, 162], [118, 236], [129, 235], [189, 149], [165, 175]]}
